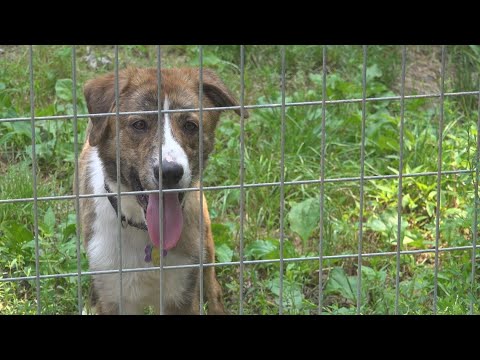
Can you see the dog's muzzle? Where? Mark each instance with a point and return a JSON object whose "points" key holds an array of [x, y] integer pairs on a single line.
{"points": [[172, 173]]}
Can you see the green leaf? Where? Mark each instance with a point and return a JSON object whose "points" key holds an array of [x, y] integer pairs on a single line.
{"points": [[476, 49], [317, 79], [407, 240], [2, 86], [292, 293], [63, 89], [223, 253], [69, 231], [43, 150], [262, 249], [17, 232], [49, 220], [377, 225], [430, 208], [221, 233], [304, 217], [60, 108], [209, 60], [340, 283], [344, 311], [46, 111], [64, 52], [373, 72], [289, 250], [22, 128], [368, 272]]}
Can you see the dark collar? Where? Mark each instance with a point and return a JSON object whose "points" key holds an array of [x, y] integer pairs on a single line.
{"points": [[125, 221]]}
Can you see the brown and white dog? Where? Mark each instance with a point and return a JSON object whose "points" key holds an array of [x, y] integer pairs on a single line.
{"points": [[139, 165]]}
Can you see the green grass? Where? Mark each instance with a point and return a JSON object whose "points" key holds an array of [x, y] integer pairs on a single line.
{"points": [[55, 155]]}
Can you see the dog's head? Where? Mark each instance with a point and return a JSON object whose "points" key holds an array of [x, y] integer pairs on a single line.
{"points": [[140, 136]]}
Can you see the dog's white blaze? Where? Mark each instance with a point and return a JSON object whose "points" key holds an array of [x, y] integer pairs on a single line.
{"points": [[139, 288], [172, 151]]}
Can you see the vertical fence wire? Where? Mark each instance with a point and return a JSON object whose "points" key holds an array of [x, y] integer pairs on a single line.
{"points": [[282, 182], [322, 181], [200, 166], [34, 176], [242, 171], [400, 178], [77, 199], [439, 181], [362, 176], [475, 213], [119, 198], [160, 176]]}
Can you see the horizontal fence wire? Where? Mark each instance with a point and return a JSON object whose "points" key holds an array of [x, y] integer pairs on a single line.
{"points": [[253, 185], [247, 107], [245, 262]]}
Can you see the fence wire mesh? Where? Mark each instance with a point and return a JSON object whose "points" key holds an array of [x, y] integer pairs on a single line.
{"points": [[324, 179]]}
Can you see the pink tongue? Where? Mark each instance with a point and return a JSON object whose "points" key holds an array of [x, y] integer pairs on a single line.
{"points": [[172, 220]]}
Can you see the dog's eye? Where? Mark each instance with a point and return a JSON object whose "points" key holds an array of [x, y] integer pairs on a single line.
{"points": [[190, 126], [139, 125]]}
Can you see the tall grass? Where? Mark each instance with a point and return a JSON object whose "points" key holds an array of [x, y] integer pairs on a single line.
{"points": [[53, 96]]}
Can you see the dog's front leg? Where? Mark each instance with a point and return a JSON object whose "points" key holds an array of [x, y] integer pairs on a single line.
{"points": [[213, 291], [113, 309]]}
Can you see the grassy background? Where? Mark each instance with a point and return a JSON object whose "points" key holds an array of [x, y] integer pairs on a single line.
{"points": [[55, 156]]}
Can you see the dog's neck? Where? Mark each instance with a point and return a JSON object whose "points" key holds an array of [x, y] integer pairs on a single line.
{"points": [[113, 201], [129, 222]]}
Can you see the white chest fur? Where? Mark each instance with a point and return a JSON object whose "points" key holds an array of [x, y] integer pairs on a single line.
{"points": [[139, 288]]}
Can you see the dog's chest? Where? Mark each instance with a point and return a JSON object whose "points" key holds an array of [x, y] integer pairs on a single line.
{"points": [[139, 287]]}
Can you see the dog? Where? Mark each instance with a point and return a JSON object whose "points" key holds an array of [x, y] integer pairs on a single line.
{"points": [[139, 141]]}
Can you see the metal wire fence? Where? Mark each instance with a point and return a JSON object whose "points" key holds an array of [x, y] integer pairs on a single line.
{"points": [[323, 102]]}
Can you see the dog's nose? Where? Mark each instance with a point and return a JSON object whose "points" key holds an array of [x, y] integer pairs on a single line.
{"points": [[172, 172]]}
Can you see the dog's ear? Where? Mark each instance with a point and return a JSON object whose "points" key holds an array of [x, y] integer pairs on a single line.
{"points": [[100, 97], [218, 93]]}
